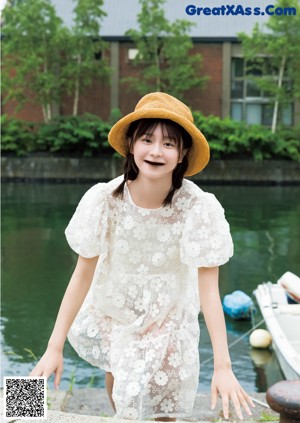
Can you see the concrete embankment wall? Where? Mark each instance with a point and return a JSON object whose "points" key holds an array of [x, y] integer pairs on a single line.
{"points": [[91, 405], [61, 169]]}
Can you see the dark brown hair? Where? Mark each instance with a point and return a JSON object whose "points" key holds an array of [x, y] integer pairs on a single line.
{"points": [[170, 129]]}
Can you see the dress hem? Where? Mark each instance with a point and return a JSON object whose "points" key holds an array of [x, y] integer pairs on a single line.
{"points": [[154, 416]]}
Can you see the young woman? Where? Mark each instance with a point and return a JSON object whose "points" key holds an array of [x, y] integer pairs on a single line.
{"points": [[150, 244]]}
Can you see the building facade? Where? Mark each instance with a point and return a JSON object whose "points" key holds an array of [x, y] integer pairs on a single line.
{"points": [[227, 93]]}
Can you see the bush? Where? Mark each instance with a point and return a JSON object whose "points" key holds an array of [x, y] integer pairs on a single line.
{"points": [[231, 139], [87, 135], [288, 143], [79, 135], [17, 136]]}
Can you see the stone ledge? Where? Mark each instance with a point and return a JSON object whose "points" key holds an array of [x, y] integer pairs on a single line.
{"points": [[92, 405], [60, 417], [61, 169]]}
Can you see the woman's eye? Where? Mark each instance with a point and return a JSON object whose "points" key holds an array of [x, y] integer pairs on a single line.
{"points": [[170, 144], [146, 140]]}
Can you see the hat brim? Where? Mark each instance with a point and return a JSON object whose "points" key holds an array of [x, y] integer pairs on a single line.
{"points": [[198, 154]]}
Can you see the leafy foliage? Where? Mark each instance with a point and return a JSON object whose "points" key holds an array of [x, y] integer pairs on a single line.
{"points": [[17, 136], [237, 140], [77, 135], [54, 61], [87, 135], [84, 46], [71, 135], [163, 53], [31, 58], [273, 55]]}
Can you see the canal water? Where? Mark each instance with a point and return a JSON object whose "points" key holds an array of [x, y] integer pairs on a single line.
{"points": [[37, 264]]}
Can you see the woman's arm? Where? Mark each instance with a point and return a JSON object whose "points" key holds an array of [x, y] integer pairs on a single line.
{"points": [[223, 381], [78, 287]]}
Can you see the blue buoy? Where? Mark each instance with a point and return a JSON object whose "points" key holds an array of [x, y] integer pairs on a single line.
{"points": [[238, 305]]}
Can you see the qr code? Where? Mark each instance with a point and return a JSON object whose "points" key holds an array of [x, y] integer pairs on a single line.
{"points": [[25, 397]]}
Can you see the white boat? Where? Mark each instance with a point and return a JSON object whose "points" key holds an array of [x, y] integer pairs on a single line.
{"points": [[283, 322]]}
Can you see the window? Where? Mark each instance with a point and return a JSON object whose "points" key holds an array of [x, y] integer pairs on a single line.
{"points": [[149, 58], [249, 102], [132, 53], [98, 55]]}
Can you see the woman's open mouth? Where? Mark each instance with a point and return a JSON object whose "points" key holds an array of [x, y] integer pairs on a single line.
{"points": [[153, 163]]}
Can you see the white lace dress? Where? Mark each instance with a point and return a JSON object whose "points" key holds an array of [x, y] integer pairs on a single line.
{"points": [[140, 317]]}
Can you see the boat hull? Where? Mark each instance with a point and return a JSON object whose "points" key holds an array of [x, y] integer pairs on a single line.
{"points": [[283, 323]]}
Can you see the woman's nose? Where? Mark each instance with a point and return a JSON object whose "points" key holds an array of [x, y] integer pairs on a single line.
{"points": [[156, 150]]}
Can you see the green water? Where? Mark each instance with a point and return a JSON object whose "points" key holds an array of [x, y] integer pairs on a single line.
{"points": [[37, 264]]}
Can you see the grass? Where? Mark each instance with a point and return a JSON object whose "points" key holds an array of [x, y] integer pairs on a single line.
{"points": [[30, 353], [91, 382], [22, 357], [72, 380], [102, 414], [266, 417]]}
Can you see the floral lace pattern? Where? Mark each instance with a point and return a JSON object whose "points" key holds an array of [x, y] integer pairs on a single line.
{"points": [[140, 317]]}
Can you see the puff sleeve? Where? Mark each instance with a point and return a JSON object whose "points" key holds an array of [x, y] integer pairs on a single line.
{"points": [[206, 239], [87, 228]]}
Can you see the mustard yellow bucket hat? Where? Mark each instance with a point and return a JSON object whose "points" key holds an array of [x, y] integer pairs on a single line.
{"points": [[163, 106]]}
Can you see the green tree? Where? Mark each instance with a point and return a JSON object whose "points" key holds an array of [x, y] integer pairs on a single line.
{"points": [[273, 54], [163, 53], [31, 58], [85, 60], [42, 65]]}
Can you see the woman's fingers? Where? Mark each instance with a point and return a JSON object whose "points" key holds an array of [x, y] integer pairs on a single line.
{"points": [[57, 378], [34, 372], [248, 398], [226, 384], [225, 405], [237, 406], [240, 399], [39, 372], [243, 397], [51, 362], [214, 396]]}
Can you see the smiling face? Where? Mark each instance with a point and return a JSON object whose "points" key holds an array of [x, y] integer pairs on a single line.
{"points": [[156, 152], [169, 130]]}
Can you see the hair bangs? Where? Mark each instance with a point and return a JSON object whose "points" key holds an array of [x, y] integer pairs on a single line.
{"points": [[170, 130]]}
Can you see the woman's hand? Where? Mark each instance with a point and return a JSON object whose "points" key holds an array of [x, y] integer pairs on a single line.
{"points": [[225, 383], [50, 362]]}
